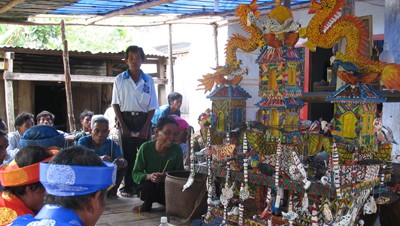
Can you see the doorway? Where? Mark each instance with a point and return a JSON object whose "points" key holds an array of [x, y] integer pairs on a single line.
{"points": [[51, 97]]}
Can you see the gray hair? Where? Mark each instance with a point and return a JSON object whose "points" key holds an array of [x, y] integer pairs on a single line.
{"points": [[98, 118]]}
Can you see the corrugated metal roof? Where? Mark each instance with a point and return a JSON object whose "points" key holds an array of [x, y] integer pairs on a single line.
{"points": [[116, 55], [21, 10], [159, 11], [180, 7]]}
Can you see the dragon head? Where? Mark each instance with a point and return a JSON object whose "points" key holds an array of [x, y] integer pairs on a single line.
{"points": [[314, 6], [243, 9], [327, 11], [331, 6]]}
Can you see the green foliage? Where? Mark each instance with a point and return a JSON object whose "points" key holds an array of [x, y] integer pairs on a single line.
{"points": [[80, 38], [96, 39]]}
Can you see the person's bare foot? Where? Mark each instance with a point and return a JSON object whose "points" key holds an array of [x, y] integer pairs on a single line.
{"points": [[137, 209], [126, 194]]}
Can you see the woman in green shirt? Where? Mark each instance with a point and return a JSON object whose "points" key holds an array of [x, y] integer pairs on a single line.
{"points": [[154, 159]]}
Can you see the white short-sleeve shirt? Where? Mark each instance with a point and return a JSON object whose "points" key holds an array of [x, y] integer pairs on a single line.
{"points": [[131, 96], [14, 146]]}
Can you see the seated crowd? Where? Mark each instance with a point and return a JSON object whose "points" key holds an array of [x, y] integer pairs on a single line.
{"points": [[44, 171]]}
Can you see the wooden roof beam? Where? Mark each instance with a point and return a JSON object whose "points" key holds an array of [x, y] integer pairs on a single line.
{"points": [[74, 78], [127, 10], [10, 5]]}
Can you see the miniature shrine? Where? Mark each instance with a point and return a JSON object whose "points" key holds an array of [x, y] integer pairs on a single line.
{"points": [[279, 170]]}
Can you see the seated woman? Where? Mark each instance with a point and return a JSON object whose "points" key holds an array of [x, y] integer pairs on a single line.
{"points": [[154, 159], [183, 139]]}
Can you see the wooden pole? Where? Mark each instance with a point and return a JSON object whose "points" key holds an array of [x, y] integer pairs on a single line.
{"points": [[170, 59], [10, 5], [215, 34], [68, 91], [9, 90]]}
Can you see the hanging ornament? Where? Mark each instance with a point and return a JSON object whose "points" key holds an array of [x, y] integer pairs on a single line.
{"points": [[244, 190], [208, 217], [326, 212], [300, 167], [278, 163], [314, 216], [245, 146], [241, 212], [304, 203], [370, 206], [336, 171], [227, 139], [192, 171], [354, 171], [340, 212], [227, 193]]}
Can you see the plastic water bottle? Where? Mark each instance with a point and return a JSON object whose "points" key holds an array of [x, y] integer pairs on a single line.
{"points": [[164, 221]]}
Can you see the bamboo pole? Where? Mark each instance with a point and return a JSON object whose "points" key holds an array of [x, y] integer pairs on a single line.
{"points": [[215, 34], [10, 5], [9, 90], [68, 91], [170, 59]]}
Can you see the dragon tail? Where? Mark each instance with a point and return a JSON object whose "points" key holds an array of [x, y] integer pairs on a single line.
{"points": [[391, 76], [206, 83]]}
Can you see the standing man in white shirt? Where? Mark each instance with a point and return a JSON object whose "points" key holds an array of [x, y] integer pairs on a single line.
{"points": [[134, 101]]}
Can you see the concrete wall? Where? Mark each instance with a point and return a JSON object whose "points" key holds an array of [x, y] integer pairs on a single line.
{"points": [[391, 111]]}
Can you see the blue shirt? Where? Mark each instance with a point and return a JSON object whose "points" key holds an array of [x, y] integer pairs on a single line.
{"points": [[163, 111], [50, 215], [108, 146]]}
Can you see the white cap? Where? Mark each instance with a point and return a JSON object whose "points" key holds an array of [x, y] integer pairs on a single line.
{"points": [[164, 220]]}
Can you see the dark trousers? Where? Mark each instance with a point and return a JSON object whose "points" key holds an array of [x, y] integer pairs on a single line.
{"points": [[130, 146], [150, 192], [118, 180]]}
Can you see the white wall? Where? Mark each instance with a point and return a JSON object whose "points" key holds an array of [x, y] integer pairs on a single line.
{"points": [[361, 9], [187, 70], [250, 81], [198, 62]]}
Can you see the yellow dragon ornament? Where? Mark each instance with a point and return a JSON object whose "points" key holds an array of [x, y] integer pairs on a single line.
{"points": [[232, 65], [323, 31]]}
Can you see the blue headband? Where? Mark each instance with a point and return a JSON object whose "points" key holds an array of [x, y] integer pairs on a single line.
{"points": [[72, 180]]}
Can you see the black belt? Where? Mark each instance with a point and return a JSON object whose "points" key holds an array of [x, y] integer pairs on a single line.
{"points": [[135, 113]]}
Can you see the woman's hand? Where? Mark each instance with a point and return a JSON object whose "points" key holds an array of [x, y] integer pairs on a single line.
{"points": [[120, 163], [156, 177], [106, 158]]}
